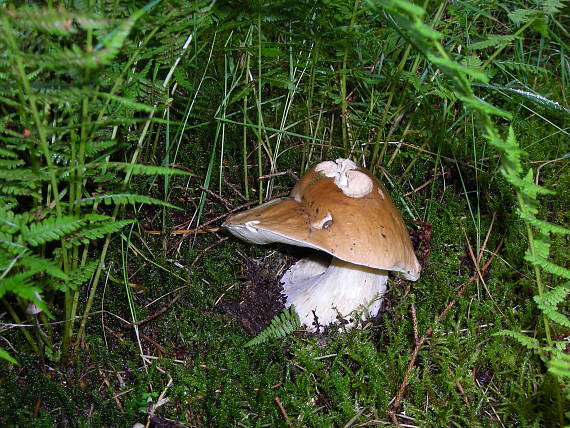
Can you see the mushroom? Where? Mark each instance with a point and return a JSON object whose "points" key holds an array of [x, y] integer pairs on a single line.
{"points": [[344, 211]]}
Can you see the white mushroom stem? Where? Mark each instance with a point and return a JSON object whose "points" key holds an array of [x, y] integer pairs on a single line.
{"points": [[341, 288]]}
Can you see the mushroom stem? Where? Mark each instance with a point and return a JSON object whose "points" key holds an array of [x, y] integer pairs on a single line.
{"points": [[339, 288]]}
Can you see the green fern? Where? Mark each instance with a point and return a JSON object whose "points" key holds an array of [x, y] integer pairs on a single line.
{"points": [[528, 342], [281, 325], [407, 19], [492, 41], [138, 169], [96, 231], [50, 229], [122, 199]]}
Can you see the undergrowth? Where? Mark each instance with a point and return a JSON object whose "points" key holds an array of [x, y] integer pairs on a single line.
{"points": [[116, 113]]}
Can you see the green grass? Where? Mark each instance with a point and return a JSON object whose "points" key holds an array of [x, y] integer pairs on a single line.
{"points": [[261, 89]]}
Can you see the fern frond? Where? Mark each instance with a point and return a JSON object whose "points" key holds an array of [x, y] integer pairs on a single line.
{"points": [[127, 102], [46, 20], [38, 264], [478, 104], [528, 342], [552, 7], [124, 198], [529, 189], [521, 67], [78, 276], [555, 316], [281, 325], [138, 169], [541, 244], [109, 47], [11, 163], [10, 222], [96, 231], [492, 41], [456, 67], [51, 229], [548, 266], [544, 226], [13, 282], [95, 147], [559, 364], [553, 297], [522, 16]]}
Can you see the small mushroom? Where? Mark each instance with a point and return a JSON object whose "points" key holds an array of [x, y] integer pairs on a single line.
{"points": [[345, 211]]}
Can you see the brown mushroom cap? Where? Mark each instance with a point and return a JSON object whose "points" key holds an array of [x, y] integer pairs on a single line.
{"points": [[366, 230]]}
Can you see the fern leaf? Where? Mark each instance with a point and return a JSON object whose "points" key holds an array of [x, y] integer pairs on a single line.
{"points": [[281, 325], [530, 189], [544, 226], [521, 66], [124, 198], [45, 20], [78, 276], [560, 365], [402, 6], [492, 41], [95, 147], [38, 264], [547, 266], [553, 297], [21, 284], [528, 342], [12, 282], [555, 316], [109, 47], [138, 169], [9, 222], [552, 7], [51, 229], [127, 102], [541, 244], [522, 16], [96, 231], [11, 163]]}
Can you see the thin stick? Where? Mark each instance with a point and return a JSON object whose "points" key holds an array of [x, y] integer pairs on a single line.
{"points": [[405, 381], [414, 323], [278, 174], [283, 411], [218, 197]]}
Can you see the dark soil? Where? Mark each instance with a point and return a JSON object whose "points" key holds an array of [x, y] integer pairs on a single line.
{"points": [[260, 299]]}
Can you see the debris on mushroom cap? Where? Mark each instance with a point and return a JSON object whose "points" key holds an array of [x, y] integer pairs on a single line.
{"points": [[352, 182], [366, 230]]}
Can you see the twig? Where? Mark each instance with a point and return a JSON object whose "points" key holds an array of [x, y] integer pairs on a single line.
{"points": [[283, 411], [414, 323], [405, 381], [460, 388], [289, 172], [478, 270], [218, 197]]}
